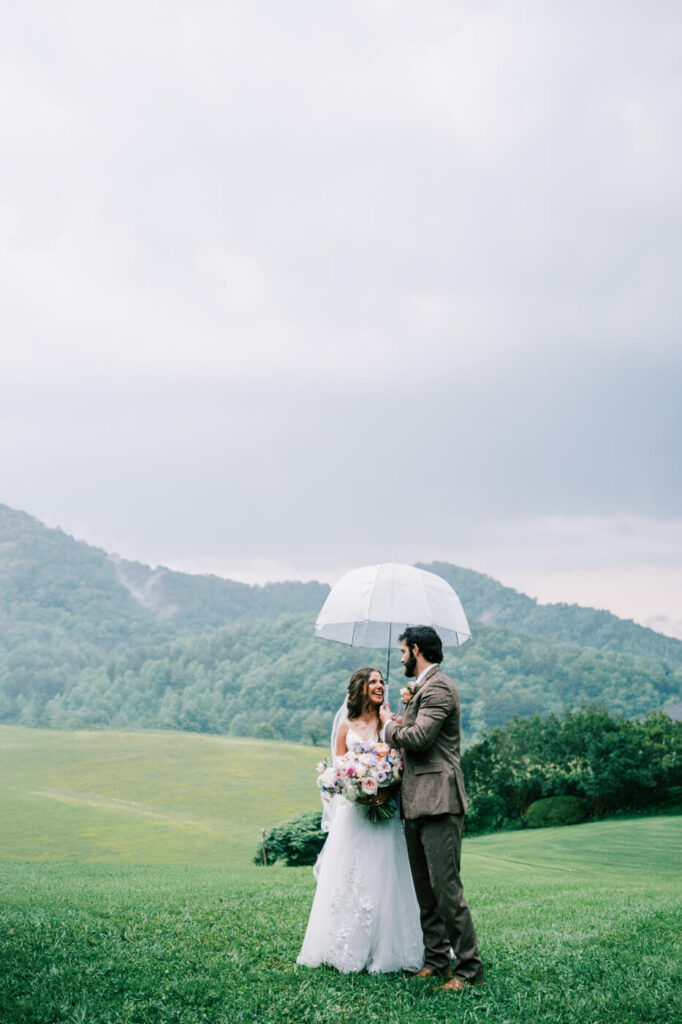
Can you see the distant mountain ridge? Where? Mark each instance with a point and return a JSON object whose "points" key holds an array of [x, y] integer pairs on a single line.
{"points": [[45, 568], [48, 576], [90, 638], [493, 604]]}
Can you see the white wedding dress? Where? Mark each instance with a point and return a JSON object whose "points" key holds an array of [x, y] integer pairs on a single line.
{"points": [[365, 914]]}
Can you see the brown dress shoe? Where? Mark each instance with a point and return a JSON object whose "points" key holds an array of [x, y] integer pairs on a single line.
{"points": [[425, 972], [457, 984], [453, 985]]}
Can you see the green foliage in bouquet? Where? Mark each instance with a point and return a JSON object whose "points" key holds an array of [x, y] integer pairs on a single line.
{"points": [[382, 812], [297, 842], [556, 810]]}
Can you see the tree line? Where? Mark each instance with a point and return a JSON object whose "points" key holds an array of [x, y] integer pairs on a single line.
{"points": [[611, 763], [273, 680]]}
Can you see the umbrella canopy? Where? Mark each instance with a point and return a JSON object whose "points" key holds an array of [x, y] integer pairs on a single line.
{"points": [[369, 607]]}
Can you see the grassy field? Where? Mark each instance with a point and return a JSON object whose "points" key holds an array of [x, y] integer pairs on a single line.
{"points": [[576, 925], [145, 797]]}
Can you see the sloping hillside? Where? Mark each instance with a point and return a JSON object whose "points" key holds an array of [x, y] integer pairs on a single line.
{"points": [[493, 604], [65, 606], [51, 580]]}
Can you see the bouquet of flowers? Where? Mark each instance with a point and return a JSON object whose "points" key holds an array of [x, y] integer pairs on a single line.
{"points": [[360, 774]]}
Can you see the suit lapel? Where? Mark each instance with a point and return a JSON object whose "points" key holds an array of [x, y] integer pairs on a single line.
{"points": [[415, 699]]}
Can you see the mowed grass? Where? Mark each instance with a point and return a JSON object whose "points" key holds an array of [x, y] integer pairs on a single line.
{"points": [[575, 925], [146, 797]]}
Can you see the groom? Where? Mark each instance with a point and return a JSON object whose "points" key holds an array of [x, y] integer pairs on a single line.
{"points": [[434, 803]]}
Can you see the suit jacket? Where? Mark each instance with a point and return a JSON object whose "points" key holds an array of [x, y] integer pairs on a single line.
{"points": [[429, 740]]}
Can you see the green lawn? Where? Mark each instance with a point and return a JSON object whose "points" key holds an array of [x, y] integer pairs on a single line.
{"points": [[146, 797], [576, 925]]}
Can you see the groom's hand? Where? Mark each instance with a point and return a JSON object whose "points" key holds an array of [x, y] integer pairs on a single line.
{"points": [[385, 714]]}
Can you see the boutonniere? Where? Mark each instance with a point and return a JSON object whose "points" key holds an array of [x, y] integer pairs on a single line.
{"points": [[408, 692]]}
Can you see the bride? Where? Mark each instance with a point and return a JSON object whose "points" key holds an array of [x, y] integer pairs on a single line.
{"points": [[365, 914]]}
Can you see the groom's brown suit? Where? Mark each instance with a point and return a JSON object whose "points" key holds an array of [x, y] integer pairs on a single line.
{"points": [[434, 803]]}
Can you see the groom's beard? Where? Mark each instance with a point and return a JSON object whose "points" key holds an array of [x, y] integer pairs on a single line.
{"points": [[411, 666]]}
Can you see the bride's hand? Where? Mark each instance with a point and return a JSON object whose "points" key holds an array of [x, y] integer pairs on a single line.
{"points": [[382, 797]]}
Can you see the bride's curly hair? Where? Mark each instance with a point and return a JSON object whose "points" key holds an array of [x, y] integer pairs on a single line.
{"points": [[358, 698]]}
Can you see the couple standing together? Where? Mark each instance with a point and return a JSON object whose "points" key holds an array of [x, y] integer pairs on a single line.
{"points": [[389, 894]]}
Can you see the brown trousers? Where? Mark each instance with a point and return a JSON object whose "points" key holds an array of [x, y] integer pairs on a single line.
{"points": [[434, 846]]}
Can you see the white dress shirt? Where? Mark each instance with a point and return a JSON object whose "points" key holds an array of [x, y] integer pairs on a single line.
{"points": [[422, 674]]}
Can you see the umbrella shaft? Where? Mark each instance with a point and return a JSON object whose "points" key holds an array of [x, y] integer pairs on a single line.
{"points": [[388, 664]]}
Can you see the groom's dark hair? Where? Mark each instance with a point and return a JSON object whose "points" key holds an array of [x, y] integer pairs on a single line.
{"points": [[427, 640]]}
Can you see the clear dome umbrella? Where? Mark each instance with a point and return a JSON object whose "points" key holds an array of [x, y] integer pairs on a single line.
{"points": [[372, 606]]}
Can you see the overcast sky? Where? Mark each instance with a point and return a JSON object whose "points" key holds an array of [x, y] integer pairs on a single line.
{"points": [[292, 288]]}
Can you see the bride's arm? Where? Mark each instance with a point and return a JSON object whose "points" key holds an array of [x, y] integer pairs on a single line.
{"points": [[341, 747]]}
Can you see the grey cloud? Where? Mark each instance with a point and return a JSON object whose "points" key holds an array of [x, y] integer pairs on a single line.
{"points": [[305, 469], [221, 183]]}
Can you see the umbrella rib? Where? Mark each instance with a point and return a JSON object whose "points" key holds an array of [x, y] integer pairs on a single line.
{"points": [[371, 595], [428, 600], [369, 618]]}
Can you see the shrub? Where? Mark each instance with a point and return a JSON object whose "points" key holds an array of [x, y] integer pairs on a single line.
{"points": [[487, 813], [556, 810], [265, 731], [297, 842]]}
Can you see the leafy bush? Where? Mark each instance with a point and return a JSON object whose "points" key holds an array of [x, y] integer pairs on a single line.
{"points": [[612, 763], [556, 810], [265, 731], [297, 842], [487, 813]]}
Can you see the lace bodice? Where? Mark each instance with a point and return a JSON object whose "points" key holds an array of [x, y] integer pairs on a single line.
{"points": [[354, 737]]}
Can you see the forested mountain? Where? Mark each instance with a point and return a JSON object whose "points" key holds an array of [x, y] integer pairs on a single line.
{"points": [[493, 604], [87, 639], [65, 605], [50, 579]]}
